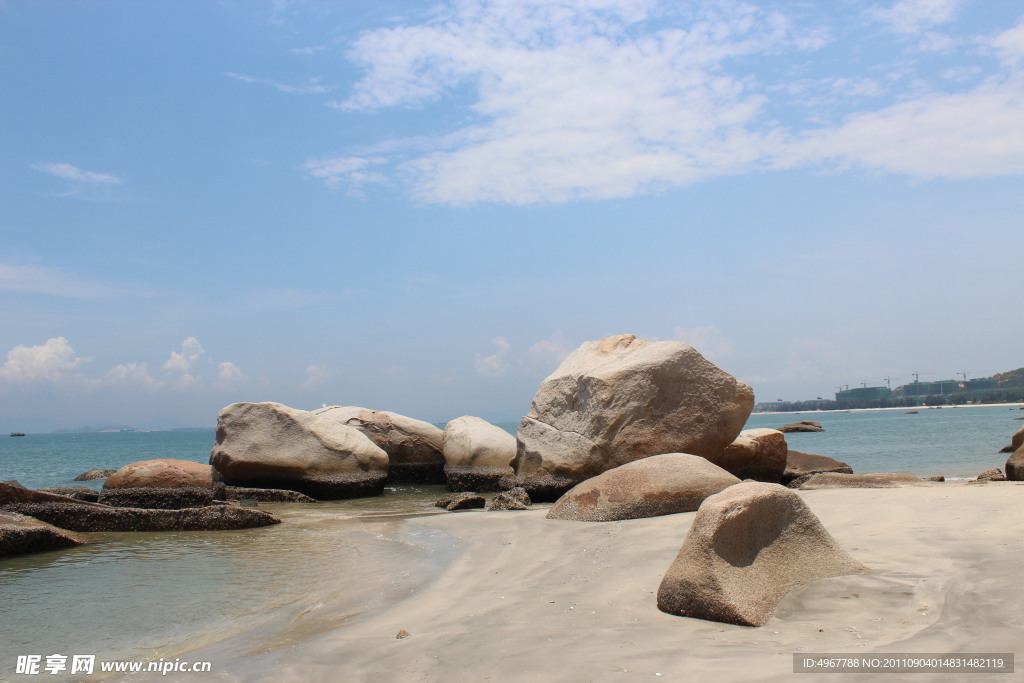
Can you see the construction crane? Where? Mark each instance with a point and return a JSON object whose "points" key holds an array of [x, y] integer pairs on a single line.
{"points": [[917, 375], [888, 381], [964, 373]]}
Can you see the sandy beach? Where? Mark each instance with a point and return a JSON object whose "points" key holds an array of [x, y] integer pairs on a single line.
{"points": [[531, 599]]}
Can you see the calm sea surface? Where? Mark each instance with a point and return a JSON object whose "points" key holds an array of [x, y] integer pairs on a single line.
{"points": [[151, 595]]}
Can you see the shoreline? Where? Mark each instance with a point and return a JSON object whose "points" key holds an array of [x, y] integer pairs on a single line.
{"points": [[1018, 404], [530, 599]]}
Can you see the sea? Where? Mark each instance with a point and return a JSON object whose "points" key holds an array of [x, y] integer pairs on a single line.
{"points": [[251, 593]]}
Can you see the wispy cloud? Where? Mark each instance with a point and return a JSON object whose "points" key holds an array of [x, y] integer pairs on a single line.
{"points": [[603, 99], [42, 280], [73, 173], [317, 375], [312, 86], [81, 184], [496, 364], [914, 16]]}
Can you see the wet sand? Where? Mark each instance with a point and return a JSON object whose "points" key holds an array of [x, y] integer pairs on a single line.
{"points": [[531, 599]]}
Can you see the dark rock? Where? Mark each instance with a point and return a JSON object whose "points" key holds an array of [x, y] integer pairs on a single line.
{"points": [[1007, 449], [93, 475], [1015, 465], [156, 498], [78, 516], [802, 465], [267, 495], [912, 412], [802, 426], [993, 474], [935, 478], [20, 535], [77, 492], [545, 488], [461, 501], [514, 499]]}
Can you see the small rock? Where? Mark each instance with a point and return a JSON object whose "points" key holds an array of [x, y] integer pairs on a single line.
{"points": [[402, 634], [993, 474], [912, 412], [874, 480], [936, 478], [461, 501], [93, 475], [514, 499], [802, 426]]}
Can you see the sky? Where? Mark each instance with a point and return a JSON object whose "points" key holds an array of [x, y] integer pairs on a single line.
{"points": [[423, 207]]}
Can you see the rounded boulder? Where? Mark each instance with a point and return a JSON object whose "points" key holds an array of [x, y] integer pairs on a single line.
{"points": [[269, 445], [477, 454], [654, 486]]}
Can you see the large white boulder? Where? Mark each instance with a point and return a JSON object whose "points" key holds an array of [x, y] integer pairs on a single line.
{"points": [[414, 447], [477, 454], [269, 445], [620, 399]]}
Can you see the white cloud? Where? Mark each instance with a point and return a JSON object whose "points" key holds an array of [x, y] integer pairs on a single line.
{"points": [[913, 16], [47, 363], [179, 365], [710, 341], [341, 170], [496, 364], [316, 375], [1010, 44], [573, 101], [598, 99], [959, 135], [312, 86], [73, 173], [131, 374], [229, 372]]}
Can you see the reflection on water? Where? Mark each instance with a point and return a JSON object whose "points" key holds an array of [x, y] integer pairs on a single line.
{"points": [[146, 595]]}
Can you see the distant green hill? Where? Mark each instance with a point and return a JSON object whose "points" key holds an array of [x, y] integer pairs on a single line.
{"points": [[1011, 379]]}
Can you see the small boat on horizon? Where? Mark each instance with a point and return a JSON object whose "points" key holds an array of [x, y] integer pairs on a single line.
{"points": [[17, 433]]}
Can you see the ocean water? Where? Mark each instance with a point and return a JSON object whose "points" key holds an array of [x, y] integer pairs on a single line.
{"points": [[151, 595]]}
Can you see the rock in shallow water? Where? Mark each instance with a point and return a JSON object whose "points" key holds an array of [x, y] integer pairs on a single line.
{"points": [[514, 499], [805, 464], [802, 426], [621, 399], [414, 447], [269, 445], [93, 475], [477, 454], [20, 535], [461, 501], [748, 546]]}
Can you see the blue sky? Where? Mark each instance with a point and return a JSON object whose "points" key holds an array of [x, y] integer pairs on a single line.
{"points": [[423, 207]]}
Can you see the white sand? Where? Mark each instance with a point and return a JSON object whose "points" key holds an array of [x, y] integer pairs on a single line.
{"points": [[530, 599]]}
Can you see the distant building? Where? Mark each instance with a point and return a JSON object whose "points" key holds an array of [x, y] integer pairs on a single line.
{"points": [[863, 394]]}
